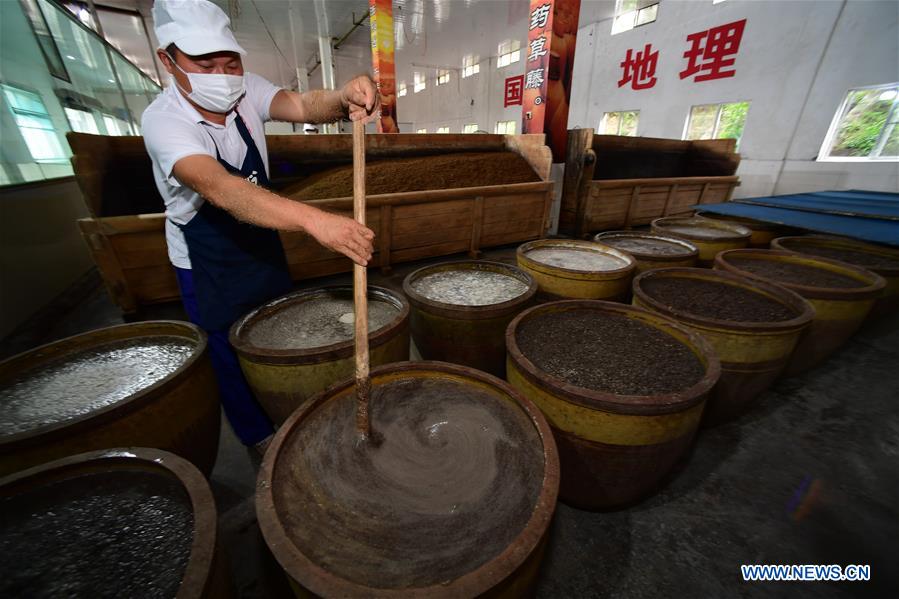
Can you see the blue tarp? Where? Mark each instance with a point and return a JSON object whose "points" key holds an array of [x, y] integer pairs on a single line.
{"points": [[858, 205], [866, 215]]}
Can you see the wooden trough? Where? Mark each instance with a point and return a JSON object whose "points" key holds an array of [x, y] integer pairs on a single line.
{"points": [[126, 230], [614, 182]]}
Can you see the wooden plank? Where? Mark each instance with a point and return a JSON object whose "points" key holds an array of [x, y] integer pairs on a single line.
{"points": [[432, 195], [533, 148], [477, 223], [385, 236], [632, 206], [104, 256], [705, 190], [430, 251], [671, 194], [611, 183], [407, 218], [431, 236], [153, 283], [140, 241]]}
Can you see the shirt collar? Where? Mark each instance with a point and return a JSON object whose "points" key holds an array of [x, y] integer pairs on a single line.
{"points": [[194, 114]]}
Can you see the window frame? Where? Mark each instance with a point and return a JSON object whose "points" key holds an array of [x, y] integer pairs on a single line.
{"points": [[720, 106], [422, 130], [443, 76], [471, 65], [419, 85], [401, 89], [512, 48], [62, 157], [496, 127], [620, 112], [827, 144], [634, 23], [444, 129], [467, 125]]}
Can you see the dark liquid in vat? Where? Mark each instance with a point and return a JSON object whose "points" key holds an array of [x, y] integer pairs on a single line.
{"points": [[608, 353], [453, 481], [116, 534]]}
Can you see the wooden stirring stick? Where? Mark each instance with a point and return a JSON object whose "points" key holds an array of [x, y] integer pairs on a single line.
{"points": [[360, 291]]}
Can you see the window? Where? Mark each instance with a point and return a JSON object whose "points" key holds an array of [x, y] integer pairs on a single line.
{"points": [[620, 123], [470, 128], [115, 126], [470, 65], [422, 131], [442, 129], [508, 52], [82, 121], [34, 123], [633, 13], [418, 82], [505, 127], [717, 121], [442, 76], [866, 127], [401, 90]]}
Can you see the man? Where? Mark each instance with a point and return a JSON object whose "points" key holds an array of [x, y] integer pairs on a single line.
{"points": [[205, 135]]}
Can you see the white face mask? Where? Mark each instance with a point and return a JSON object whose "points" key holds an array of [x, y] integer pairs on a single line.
{"points": [[213, 91]]}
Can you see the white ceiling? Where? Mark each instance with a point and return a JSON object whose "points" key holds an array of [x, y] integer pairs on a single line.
{"points": [[426, 31]]}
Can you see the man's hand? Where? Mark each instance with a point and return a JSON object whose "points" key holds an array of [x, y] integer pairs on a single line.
{"points": [[343, 235], [360, 99]]}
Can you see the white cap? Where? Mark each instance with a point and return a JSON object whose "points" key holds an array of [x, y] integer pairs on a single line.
{"points": [[195, 26]]}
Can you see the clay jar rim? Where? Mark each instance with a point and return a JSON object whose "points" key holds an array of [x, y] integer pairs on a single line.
{"points": [[198, 571], [804, 311], [736, 232], [484, 312], [873, 289], [323, 353], [822, 241], [570, 273], [324, 583], [691, 251], [663, 403], [54, 350], [742, 221]]}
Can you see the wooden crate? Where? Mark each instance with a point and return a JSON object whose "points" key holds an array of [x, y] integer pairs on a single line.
{"points": [[130, 249], [651, 185]]}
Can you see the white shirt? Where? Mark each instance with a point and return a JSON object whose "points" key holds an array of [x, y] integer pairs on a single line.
{"points": [[173, 129]]}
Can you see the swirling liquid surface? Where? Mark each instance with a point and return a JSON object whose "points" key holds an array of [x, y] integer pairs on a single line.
{"points": [[453, 481]]}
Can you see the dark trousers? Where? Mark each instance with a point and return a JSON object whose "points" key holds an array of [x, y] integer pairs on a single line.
{"points": [[248, 420]]}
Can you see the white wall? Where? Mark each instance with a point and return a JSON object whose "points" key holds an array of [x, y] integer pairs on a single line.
{"points": [[796, 62], [475, 29], [41, 249]]}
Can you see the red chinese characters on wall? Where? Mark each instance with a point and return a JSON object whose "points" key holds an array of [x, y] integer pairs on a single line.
{"points": [[713, 50], [639, 69], [513, 93], [711, 55]]}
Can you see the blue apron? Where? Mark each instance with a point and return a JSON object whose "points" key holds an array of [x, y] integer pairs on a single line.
{"points": [[236, 266]]}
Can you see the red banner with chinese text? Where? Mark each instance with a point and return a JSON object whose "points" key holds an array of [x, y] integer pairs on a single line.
{"points": [[381, 17], [548, 69]]}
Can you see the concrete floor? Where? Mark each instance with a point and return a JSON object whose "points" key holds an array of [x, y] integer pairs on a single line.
{"points": [[810, 476]]}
